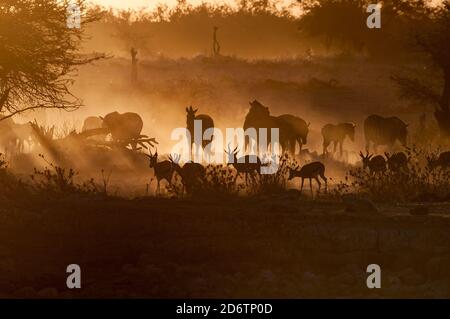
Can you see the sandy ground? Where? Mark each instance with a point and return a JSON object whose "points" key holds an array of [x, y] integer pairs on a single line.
{"points": [[277, 246]]}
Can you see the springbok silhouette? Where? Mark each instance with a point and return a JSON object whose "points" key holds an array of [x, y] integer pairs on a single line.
{"points": [[206, 123]]}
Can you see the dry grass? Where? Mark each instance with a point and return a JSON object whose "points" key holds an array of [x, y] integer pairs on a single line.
{"points": [[416, 183]]}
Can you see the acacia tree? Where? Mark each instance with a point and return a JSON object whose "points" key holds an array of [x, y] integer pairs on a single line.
{"points": [[39, 54], [335, 22], [431, 36], [409, 28]]}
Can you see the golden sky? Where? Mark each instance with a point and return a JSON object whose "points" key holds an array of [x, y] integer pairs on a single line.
{"points": [[124, 4], [153, 3], [147, 3]]}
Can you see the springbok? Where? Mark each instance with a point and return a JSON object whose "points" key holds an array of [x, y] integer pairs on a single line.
{"points": [[336, 134], [192, 174], [375, 164], [442, 161], [206, 123], [397, 161], [311, 170], [162, 170], [248, 164]]}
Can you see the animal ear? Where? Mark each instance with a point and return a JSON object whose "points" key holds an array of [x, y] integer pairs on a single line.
{"points": [[361, 154]]}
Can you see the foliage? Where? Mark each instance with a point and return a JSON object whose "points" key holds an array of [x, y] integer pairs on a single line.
{"points": [[39, 54], [274, 183], [55, 180]]}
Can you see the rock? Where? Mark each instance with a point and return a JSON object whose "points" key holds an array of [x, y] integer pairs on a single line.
{"points": [[419, 211], [393, 281], [309, 277], [153, 272], [48, 293], [130, 269], [145, 259], [437, 268], [7, 265], [394, 239], [25, 293], [268, 275], [409, 277], [354, 203], [345, 279]]}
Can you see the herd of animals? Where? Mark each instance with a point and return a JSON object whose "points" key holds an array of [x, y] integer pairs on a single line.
{"points": [[378, 131], [125, 129]]}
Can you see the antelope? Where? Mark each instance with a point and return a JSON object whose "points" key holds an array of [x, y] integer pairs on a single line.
{"points": [[375, 164], [381, 130], [336, 134], [192, 174], [310, 171], [248, 164], [162, 170], [443, 160], [397, 161], [206, 123]]}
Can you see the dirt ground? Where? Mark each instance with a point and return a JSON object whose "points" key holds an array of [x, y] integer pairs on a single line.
{"points": [[282, 246]]}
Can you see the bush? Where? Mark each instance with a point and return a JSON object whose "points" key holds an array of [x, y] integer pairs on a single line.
{"points": [[417, 182], [222, 181], [56, 180]]}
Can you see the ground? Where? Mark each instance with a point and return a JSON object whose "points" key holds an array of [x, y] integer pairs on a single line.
{"points": [[282, 246], [131, 244]]}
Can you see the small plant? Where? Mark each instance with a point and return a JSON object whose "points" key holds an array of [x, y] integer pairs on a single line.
{"points": [[221, 180], [10, 186], [417, 182], [276, 182], [105, 181], [58, 180]]}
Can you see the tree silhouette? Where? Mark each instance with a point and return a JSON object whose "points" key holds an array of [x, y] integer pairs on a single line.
{"points": [[430, 32], [336, 22], [39, 53]]}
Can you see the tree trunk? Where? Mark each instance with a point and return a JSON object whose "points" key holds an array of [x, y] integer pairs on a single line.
{"points": [[3, 99], [442, 114], [445, 101]]}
